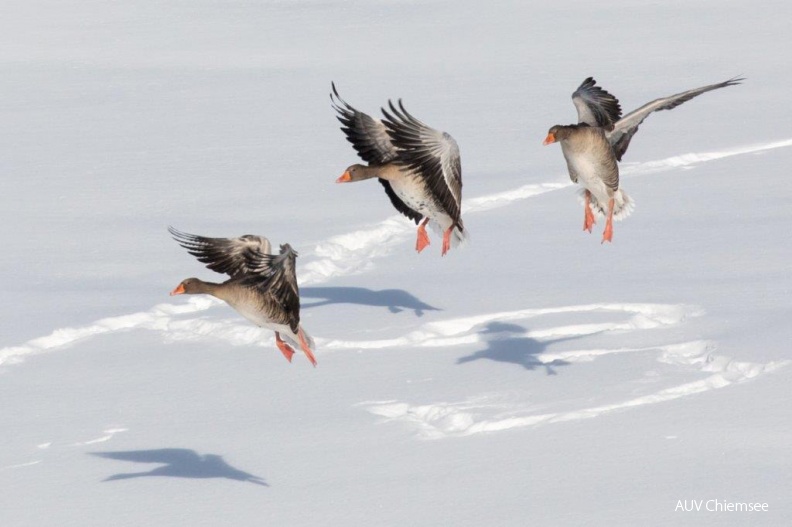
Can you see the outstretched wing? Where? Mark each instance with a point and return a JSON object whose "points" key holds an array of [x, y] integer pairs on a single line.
{"points": [[367, 135], [281, 284], [431, 153], [236, 257], [595, 106], [626, 127]]}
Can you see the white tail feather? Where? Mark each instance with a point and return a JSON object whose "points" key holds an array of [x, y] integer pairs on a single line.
{"points": [[294, 341], [459, 238], [623, 205]]}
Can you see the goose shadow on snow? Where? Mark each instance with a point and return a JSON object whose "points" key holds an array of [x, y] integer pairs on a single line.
{"points": [[506, 343], [179, 463], [396, 300]]}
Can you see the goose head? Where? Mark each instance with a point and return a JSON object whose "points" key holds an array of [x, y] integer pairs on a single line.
{"points": [[190, 286], [357, 172]]}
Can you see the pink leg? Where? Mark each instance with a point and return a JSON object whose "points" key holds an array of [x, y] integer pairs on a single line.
{"points": [[607, 236], [287, 351], [588, 221], [305, 347], [423, 237]]}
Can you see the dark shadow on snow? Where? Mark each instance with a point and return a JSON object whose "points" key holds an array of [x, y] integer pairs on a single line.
{"points": [[503, 346], [396, 300], [179, 463]]}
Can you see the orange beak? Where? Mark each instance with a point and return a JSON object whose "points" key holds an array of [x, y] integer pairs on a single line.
{"points": [[178, 291], [346, 177], [549, 139]]}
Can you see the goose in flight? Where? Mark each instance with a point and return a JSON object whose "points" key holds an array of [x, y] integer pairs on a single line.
{"points": [[418, 166], [593, 146], [262, 287]]}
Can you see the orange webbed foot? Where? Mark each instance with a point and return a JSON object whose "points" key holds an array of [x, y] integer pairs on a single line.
{"points": [[607, 235], [423, 238], [589, 221], [447, 240], [305, 347], [287, 350]]}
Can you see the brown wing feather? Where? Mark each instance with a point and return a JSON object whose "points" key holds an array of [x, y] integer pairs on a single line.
{"points": [[367, 135], [595, 106], [432, 154], [281, 286], [236, 257]]}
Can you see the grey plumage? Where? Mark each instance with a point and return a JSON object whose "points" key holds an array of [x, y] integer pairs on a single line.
{"points": [[261, 286], [593, 146], [419, 167], [368, 136], [626, 127], [597, 107], [433, 154], [236, 257]]}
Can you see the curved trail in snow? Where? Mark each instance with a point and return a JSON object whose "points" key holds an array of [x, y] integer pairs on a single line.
{"points": [[353, 253], [341, 255], [466, 330], [485, 413], [478, 415], [488, 413]]}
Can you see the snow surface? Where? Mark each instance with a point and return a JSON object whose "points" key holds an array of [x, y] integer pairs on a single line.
{"points": [[535, 377]]}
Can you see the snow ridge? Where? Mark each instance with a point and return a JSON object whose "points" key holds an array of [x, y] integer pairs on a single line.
{"points": [[158, 317], [478, 415], [458, 331]]}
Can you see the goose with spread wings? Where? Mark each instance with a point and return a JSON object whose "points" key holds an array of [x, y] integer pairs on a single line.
{"points": [[262, 287], [593, 146], [418, 166]]}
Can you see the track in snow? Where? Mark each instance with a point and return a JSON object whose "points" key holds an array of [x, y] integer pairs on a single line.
{"points": [[341, 255], [354, 252], [493, 412]]}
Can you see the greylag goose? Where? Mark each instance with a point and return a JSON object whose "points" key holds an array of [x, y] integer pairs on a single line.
{"points": [[418, 166], [262, 287], [593, 147]]}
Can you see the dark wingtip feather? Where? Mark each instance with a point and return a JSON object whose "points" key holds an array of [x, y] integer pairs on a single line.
{"points": [[400, 113], [339, 104], [191, 242], [393, 108], [388, 117], [405, 112], [287, 249], [601, 101], [180, 236]]}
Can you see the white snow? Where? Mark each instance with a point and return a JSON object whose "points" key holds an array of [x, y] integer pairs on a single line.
{"points": [[533, 377]]}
